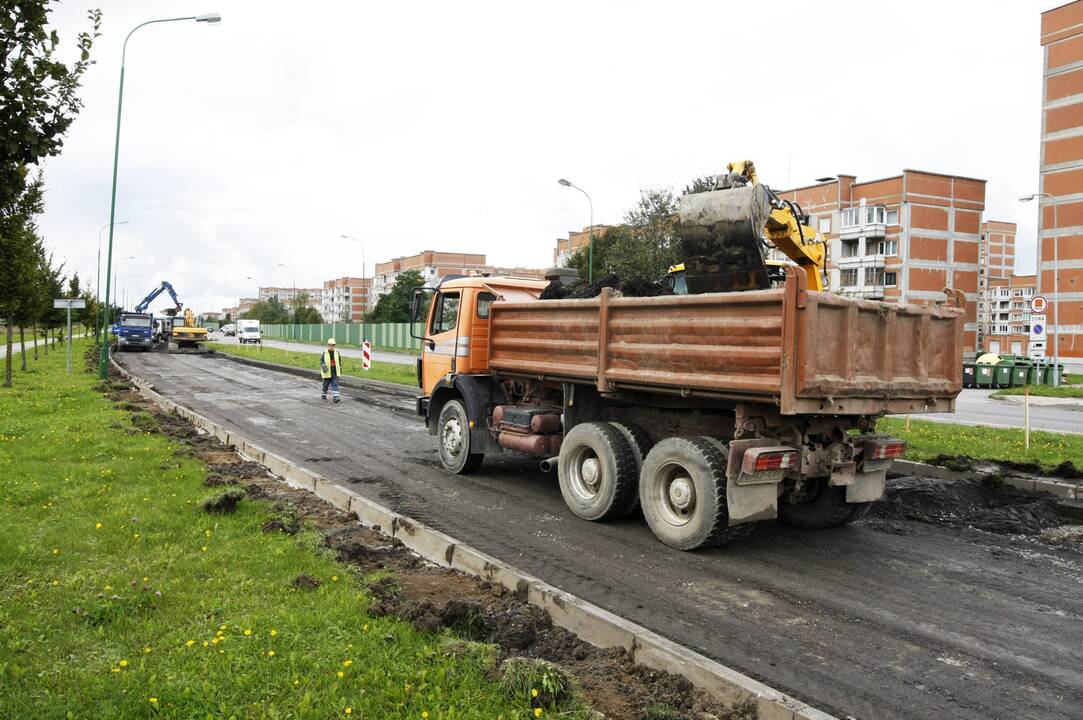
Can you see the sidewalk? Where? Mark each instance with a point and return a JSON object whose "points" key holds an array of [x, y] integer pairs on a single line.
{"points": [[351, 352]]}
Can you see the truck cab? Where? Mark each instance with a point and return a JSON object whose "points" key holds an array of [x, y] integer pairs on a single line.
{"points": [[135, 330], [248, 331]]}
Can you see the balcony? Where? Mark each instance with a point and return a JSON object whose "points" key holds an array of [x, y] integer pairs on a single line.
{"points": [[869, 292], [869, 221]]}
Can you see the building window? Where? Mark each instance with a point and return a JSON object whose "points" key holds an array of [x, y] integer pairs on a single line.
{"points": [[1002, 329], [890, 279], [889, 247], [892, 217], [850, 217], [824, 225], [849, 248], [875, 214], [848, 277]]}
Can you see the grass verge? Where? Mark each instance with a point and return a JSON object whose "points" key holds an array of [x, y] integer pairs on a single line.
{"points": [[321, 343], [1064, 391], [122, 598], [385, 371], [927, 440]]}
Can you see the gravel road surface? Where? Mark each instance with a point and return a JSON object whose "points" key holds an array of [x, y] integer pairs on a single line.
{"points": [[894, 619]]}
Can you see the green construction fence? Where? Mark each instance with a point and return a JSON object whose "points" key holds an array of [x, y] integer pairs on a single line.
{"points": [[384, 336]]}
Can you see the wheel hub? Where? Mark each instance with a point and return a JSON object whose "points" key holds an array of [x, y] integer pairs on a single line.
{"points": [[591, 473], [452, 437], [682, 494]]}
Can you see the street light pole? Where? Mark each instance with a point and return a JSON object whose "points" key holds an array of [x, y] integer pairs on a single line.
{"points": [[366, 288], [590, 250], [108, 317], [212, 18], [98, 285], [1056, 280]]}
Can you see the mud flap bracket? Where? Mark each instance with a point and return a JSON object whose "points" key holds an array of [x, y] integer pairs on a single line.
{"points": [[866, 487]]}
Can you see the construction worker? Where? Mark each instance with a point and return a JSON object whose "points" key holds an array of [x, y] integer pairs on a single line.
{"points": [[331, 370]]}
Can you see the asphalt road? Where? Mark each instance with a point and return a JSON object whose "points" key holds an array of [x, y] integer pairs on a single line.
{"points": [[391, 357], [917, 622], [975, 407]]}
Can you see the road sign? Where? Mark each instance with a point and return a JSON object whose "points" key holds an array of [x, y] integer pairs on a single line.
{"points": [[1036, 351], [1038, 304], [1037, 328], [70, 303]]}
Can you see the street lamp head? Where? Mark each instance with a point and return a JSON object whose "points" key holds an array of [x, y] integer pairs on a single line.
{"points": [[209, 18], [565, 183], [1028, 198]]}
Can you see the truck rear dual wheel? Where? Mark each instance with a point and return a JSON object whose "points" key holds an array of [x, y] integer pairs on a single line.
{"points": [[827, 508], [682, 490], [453, 439], [597, 471]]}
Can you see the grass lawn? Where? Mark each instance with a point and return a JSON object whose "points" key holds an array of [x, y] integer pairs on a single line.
{"points": [[121, 598], [385, 371], [928, 439], [1064, 391], [321, 345]]}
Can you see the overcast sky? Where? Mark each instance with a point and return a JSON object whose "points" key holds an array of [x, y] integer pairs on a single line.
{"points": [[445, 126]]}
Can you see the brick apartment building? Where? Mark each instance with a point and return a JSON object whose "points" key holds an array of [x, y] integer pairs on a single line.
{"points": [[243, 306], [345, 299], [1061, 175], [903, 238], [1004, 314], [996, 254], [285, 295], [432, 265], [576, 240]]}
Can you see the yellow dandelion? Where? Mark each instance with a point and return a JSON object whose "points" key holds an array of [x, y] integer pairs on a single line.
{"points": [[273, 632], [425, 713], [207, 533], [123, 663], [364, 627], [223, 627], [334, 578], [190, 643], [347, 663], [537, 712], [146, 650], [248, 631], [55, 583], [270, 653], [205, 643], [219, 634], [56, 551], [296, 683], [146, 579], [340, 674], [97, 526], [349, 711], [204, 548], [116, 669], [135, 535], [533, 692], [153, 700]]}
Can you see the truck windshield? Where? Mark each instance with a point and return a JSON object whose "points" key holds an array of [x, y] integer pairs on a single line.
{"points": [[135, 321], [447, 313]]}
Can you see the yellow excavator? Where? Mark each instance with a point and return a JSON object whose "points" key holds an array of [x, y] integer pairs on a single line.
{"points": [[726, 233], [186, 333]]}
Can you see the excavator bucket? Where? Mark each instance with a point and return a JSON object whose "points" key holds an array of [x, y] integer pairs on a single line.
{"points": [[722, 239]]}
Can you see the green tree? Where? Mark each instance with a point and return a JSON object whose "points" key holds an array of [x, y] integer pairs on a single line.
{"points": [[268, 312], [38, 102], [394, 306], [303, 313]]}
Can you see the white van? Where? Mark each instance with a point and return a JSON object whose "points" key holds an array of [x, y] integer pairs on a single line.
{"points": [[248, 332]]}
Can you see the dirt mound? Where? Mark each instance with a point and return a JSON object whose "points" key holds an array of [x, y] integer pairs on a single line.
{"points": [[963, 463], [305, 582], [628, 288], [218, 480], [985, 505], [280, 526], [223, 503]]}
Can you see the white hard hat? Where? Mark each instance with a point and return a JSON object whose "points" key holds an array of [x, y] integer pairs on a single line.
{"points": [[331, 341]]}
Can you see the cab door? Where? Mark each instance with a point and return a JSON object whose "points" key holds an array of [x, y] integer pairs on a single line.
{"points": [[443, 350]]}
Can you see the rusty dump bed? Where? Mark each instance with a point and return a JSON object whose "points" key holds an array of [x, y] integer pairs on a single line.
{"points": [[806, 352]]}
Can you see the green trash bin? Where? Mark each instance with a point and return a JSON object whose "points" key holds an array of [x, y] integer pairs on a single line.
{"points": [[1034, 375], [983, 376], [1002, 374], [1048, 372], [1020, 373], [969, 373]]}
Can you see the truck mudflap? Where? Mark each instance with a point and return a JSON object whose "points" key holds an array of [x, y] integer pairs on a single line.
{"points": [[866, 478], [755, 468]]}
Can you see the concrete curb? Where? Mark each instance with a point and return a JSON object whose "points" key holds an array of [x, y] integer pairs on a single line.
{"points": [[1059, 488], [1064, 403], [591, 623]]}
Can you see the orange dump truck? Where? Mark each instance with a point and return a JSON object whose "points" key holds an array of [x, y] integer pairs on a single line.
{"points": [[709, 411]]}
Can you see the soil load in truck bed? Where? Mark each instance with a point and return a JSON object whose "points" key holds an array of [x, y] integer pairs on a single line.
{"points": [[805, 352]]}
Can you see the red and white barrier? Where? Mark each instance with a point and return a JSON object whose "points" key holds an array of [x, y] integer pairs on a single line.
{"points": [[366, 355]]}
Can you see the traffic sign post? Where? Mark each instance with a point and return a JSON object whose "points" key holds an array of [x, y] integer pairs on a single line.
{"points": [[1038, 328], [69, 303], [1038, 304]]}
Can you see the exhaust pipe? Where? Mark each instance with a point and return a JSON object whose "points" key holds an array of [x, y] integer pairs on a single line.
{"points": [[548, 464]]}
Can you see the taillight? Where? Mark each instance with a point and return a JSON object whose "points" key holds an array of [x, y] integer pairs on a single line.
{"points": [[775, 461], [886, 449], [759, 460]]}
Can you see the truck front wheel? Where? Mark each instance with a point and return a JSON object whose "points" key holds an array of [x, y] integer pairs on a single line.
{"points": [[597, 472], [453, 439], [682, 490], [826, 508]]}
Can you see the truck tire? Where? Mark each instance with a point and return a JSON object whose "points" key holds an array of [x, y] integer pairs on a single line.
{"points": [[597, 473], [641, 444], [682, 490], [828, 508], [453, 439]]}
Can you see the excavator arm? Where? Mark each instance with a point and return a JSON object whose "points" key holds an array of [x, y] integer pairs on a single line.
{"points": [[725, 233], [153, 294]]}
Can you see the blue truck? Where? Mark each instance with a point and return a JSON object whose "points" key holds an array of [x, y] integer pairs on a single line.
{"points": [[135, 330]]}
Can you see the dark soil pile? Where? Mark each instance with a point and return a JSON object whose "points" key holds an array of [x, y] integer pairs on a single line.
{"points": [[961, 463], [628, 288]]}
